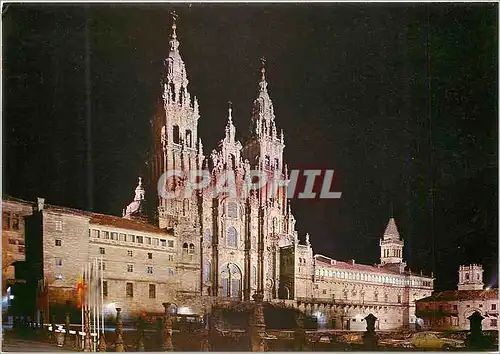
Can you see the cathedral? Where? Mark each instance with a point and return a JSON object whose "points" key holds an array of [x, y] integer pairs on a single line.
{"points": [[240, 237], [201, 249]]}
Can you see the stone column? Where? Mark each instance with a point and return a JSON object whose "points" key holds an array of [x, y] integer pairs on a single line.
{"points": [[140, 334], [119, 331], [299, 334], [43, 329], [53, 325], [87, 343], [66, 328], [370, 339], [167, 345], [257, 325], [102, 342]]}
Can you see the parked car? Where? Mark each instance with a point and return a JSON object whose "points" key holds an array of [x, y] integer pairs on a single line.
{"points": [[426, 340]]}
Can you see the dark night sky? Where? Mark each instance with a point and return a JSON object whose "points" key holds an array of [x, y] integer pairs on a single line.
{"points": [[399, 99]]}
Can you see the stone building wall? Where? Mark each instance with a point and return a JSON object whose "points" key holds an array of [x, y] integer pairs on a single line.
{"points": [[13, 243], [449, 310]]}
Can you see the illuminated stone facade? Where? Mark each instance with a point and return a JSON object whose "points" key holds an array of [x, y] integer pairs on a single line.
{"points": [[205, 248], [450, 309], [13, 246]]}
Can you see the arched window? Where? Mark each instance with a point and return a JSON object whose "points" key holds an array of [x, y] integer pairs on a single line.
{"points": [[254, 275], [181, 95], [185, 248], [232, 237], [191, 248], [189, 138], [267, 162], [232, 210], [176, 134], [231, 280], [208, 237], [207, 271], [172, 90]]}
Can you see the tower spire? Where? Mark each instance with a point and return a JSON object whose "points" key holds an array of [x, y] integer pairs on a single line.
{"points": [[263, 82], [174, 43], [230, 110]]}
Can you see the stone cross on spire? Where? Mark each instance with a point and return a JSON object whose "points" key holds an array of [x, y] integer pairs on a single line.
{"points": [[230, 117], [174, 26]]}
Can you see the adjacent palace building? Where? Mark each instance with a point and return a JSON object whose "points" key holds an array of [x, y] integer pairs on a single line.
{"points": [[203, 249]]}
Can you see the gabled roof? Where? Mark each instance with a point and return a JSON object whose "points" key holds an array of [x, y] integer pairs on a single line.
{"points": [[462, 295], [108, 220], [9, 198], [364, 267]]}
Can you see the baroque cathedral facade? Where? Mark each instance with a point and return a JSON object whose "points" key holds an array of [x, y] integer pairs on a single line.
{"points": [[239, 236], [201, 248]]}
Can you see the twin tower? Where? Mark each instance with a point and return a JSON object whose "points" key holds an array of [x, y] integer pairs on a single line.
{"points": [[237, 238]]}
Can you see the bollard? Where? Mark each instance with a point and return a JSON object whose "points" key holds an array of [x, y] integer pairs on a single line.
{"points": [[77, 345], [119, 331], [87, 342], [257, 324], [370, 340], [167, 345], [102, 342], [140, 334]]}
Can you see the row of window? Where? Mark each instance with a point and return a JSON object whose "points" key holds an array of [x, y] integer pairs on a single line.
{"points": [[129, 290], [354, 293], [369, 277], [130, 267], [10, 221], [130, 253], [392, 253], [106, 235], [455, 307], [231, 239]]}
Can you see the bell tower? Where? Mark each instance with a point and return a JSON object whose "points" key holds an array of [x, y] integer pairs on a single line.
{"points": [[264, 149], [176, 146], [391, 245], [470, 277]]}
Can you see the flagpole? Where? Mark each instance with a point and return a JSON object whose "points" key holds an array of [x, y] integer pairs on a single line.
{"points": [[93, 298], [102, 293], [81, 295], [97, 300]]}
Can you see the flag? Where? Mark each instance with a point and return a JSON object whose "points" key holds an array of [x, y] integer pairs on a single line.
{"points": [[80, 292]]}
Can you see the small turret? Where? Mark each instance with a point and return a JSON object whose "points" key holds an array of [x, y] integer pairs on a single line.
{"points": [[136, 210], [391, 246], [470, 277]]}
